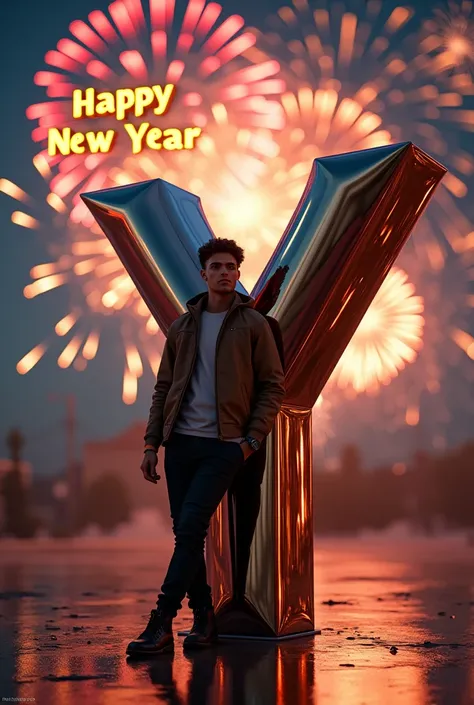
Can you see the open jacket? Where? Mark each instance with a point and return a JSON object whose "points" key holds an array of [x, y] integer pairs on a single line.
{"points": [[248, 373]]}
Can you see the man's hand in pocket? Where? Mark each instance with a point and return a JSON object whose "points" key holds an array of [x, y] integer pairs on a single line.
{"points": [[246, 449]]}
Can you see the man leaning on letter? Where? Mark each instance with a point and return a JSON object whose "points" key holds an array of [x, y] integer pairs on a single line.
{"points": [[219, 387]]}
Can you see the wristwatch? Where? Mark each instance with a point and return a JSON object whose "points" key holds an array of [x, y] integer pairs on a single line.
{"points": [[253, 443]]}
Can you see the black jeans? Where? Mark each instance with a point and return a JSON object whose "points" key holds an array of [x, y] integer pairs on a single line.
{"points": [[244, 508], [198, 471]]}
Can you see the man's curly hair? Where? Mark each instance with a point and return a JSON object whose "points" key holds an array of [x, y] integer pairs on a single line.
{"points": [[220, 244]]}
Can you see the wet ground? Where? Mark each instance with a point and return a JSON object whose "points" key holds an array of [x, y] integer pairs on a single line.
{"points": [[396, 620]]}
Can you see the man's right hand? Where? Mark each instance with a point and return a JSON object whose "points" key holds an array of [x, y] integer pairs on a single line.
{"points": [[148, 466]]}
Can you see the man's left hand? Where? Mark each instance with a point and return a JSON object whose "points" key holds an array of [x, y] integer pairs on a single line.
{"points": [[246, 449]]}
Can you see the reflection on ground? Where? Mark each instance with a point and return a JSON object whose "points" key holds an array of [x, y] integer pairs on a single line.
{"points": [[396, 620]]}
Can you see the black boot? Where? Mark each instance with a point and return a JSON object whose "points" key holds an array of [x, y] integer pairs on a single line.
{"points": [[204, 629], [156, 638]]}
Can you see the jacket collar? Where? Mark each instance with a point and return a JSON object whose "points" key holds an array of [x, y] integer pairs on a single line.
{"points": [[197, 304]]}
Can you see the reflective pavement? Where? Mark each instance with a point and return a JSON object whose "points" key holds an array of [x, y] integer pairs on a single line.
{"points": [[396, 620]]}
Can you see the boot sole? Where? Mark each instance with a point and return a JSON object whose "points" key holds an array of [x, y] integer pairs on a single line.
{"points": [[168, 649]]}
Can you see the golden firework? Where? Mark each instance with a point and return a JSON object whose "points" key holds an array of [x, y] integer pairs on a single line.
{"points": [[387, 339], [372, 57], [448, 40]]}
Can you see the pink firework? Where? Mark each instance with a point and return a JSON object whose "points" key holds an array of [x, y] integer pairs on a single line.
{"points": [[142, 44]]}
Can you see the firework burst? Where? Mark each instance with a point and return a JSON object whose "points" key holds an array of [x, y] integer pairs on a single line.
{"points": [[423, 394], [97, 288], [135, 43], [388, 337], [448, 40], [317, 123], [349, 54]]}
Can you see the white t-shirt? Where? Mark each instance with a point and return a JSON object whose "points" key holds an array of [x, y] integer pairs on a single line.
{"points": [[198, 413]]}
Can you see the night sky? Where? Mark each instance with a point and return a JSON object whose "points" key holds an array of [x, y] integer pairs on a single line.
{"points": [[29, 30]]}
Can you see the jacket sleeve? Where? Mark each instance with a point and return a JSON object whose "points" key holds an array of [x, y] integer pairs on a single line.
{"points": [[164, 379], [269, 383]]}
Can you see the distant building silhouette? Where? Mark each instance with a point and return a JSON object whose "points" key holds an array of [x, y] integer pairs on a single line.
{"points": [[26, 471], [18, 519], [24, 466]]}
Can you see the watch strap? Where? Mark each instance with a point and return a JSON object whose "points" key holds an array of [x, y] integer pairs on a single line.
{"points": [[253, 443]]}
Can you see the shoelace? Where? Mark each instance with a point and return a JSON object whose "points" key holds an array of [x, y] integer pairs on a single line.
{"points": [[154, 617]]}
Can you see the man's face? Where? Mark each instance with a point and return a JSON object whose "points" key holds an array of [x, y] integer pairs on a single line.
{"points": [[221, 273]]}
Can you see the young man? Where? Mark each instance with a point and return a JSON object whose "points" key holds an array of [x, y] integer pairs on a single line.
{"points": [[219, 388]]}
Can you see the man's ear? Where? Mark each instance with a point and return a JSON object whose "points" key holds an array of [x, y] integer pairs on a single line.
{"points": [[203, 274]]}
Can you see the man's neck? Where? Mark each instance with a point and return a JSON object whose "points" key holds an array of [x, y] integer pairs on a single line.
{"points": [[218, 303]]}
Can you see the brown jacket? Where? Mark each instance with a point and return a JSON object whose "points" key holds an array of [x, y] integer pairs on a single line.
{"points": [[249, 375]]}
